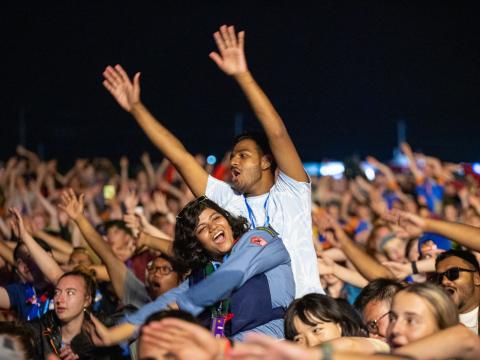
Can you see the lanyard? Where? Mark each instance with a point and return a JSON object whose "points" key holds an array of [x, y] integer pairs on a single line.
{"points": [[252, 216]]}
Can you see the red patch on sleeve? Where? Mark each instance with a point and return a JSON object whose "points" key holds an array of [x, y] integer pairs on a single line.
{"points": [[257, 240]]}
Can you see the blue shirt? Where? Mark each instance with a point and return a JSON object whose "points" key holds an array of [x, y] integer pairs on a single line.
{"points": [[256, 252], [28, 302]]}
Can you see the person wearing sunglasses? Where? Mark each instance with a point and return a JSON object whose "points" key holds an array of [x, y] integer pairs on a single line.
{"points": [[457, 271], [282, 202]]}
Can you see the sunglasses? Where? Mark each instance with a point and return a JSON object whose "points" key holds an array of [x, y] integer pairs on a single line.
{"points": [[372, 325], [452, 274], [192, 203]]}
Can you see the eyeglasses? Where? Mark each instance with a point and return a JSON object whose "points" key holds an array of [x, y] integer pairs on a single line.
{"points": [[452, 274], [372, 325], [164, 270], [196, 201]]}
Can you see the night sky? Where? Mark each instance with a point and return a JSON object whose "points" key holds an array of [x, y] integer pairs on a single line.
{"points": [[341, 74]]}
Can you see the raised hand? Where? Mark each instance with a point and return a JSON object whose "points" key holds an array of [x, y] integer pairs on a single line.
{"points": [[231, 57], [413, 224], [122, 89], [18, 226], [72, 205]]}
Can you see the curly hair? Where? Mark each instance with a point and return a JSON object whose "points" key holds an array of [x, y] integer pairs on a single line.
{"points": [[186, 248]]}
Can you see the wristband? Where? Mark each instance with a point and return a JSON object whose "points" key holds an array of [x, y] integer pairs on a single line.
{"points": [[414, 267], [327, 350]]}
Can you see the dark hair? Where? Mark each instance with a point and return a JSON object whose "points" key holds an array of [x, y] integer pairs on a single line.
{"points": [[88, 278], [325, 309], [21, 333], [186, 247], [261, 140], [177, 266], [40, 242], [120, 224], [177, 314], [462, 254], [377, 290]]}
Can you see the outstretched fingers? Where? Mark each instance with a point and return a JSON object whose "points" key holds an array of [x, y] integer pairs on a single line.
{"points": [[219, 41]]}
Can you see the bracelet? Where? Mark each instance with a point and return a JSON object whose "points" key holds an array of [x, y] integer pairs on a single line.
{"points": [[414, 267], [327, 350]]}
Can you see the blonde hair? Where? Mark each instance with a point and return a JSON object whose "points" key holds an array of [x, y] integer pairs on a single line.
{"points": [[442, 307]]}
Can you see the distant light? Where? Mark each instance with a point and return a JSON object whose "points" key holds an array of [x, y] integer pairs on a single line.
{"points": [[368, 169], [334, 168], [211, 159], [370, 174], [312, 168], [476, 168]]}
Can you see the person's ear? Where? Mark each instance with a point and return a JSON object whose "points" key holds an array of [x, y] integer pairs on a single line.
{"points": [[476, 278], [266, 162]]}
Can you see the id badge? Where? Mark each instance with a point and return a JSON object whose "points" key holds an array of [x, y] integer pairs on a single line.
{"points": [[217, 326]]}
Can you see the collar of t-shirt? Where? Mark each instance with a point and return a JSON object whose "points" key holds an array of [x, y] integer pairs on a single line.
{"points": [[470, 320]]}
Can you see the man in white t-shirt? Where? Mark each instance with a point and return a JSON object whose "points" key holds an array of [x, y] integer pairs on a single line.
{"points": [[282, 202], [458, 273]]}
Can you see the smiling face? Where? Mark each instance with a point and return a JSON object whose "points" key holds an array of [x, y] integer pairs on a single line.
{"points": [[70, 298], [214, 233], [247, 165], [463, 291], [411, 318], [312, 335]]}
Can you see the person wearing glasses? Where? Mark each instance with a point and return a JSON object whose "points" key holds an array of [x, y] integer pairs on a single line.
{"points": [[282, 202], [457, 271], [374, 303], [240, 281]]}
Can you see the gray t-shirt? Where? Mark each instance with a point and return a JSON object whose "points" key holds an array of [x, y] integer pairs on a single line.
{"points": [[134, 292]]}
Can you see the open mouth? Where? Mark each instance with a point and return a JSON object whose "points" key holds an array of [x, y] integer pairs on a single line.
{"points": [[156, 285], [449, 290], [235, 174], [219, 237]]}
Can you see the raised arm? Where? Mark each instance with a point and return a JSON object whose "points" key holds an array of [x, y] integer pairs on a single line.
{"points": [[117, 270], [127, 94], [47, 265], [366, 265], [412, 163], [231, 60], [463, 234]]}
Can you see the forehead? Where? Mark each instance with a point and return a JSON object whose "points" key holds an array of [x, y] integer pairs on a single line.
{"points": [[246, 145], [205, 214], [453, 261], [75, 282], [376, 308], [409, 302], [161, 261]]}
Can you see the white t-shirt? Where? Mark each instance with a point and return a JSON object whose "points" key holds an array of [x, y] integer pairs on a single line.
{"points": [[470, 320], [289, 210]]}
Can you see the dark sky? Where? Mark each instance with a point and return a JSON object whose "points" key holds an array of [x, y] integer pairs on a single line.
{"points": [[341, 73]]}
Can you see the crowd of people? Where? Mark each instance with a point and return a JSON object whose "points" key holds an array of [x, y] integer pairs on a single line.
{"points": [[248, 259]]}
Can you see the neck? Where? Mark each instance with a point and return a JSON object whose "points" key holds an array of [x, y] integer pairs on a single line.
{"points": [[263, 186], [471, 305], [72, 328]]}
